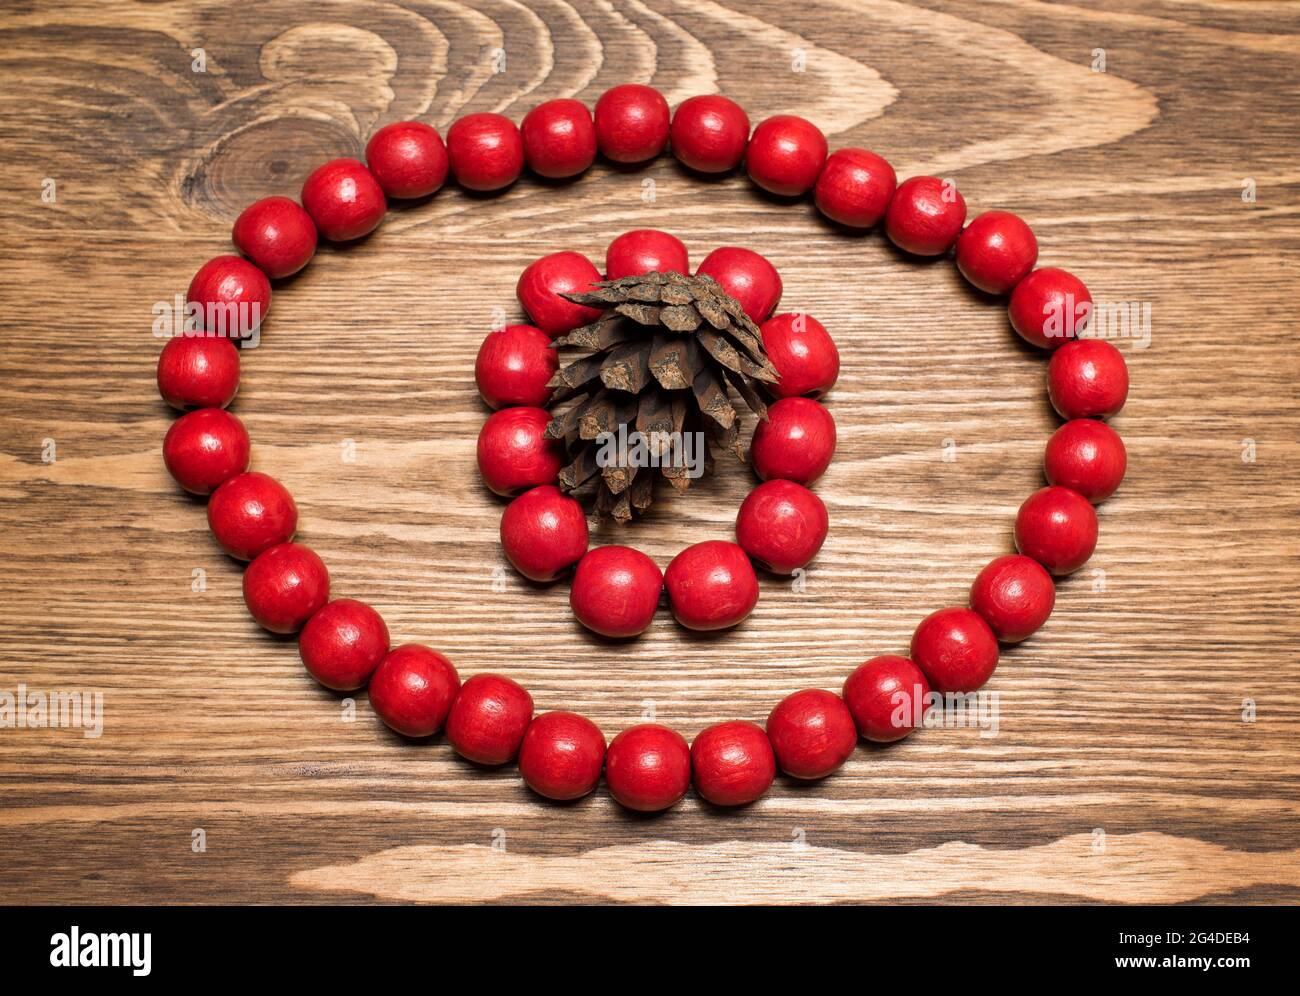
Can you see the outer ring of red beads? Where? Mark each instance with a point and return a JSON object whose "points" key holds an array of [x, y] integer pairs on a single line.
{"points": [[490, 719]]}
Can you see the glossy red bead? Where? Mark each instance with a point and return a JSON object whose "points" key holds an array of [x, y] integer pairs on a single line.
{"points": [[284, 586], [561, 755], [343, 643], [631, 123], [645, 251], [795, 442], [709, 133], [887, 697], [408, 158], [206, 448], [1087, 378], [543, 283], [785, 155], [781, 525], [559, 138], [996, 250], [1088, 456], [412, 690], [925, 215], [648, 768], [1049, 307], [732, 763], [514, 365], [812, 734], [711, 585], [956, 649], [1014, 595], [344, 199], [746, 276], [803, 353], [514, 453], [543, 533], [488, 719], [232, 296], [616, 591], [277, 234], [855, 187], [485, 151], [198, 371], [250, 513], [1057, 526]]}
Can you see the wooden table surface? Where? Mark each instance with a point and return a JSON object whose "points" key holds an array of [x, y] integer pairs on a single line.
{"points": [[1146, 748]]}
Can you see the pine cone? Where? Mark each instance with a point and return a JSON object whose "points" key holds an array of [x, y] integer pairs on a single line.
{"points": [[659, 361]]}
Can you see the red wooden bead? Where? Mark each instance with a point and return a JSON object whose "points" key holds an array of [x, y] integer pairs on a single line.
{"points": [[709, 133], [747, 277], [250, 513], [1087, 378], [543, 533], [544, 281], [925, 216], [408, 159], [887, 696], [795, 442], [781, 525], [344, 199], [561, 755], [648, 768], [1087, 456], [645, 251], [956, 649], [198, 371], [233, 296], [803, 353], [711, 585], [206, 448], [343, 643], [786, 154], [855, 187], [732, 763], [559, 138], [514, 453], [996, 250], [1049, 307], [276, 234], [514, 365], [812, 734], [1057, 527], [1014, 595], [616, 591], [631, 123], [284, 586], [488, 719], [412, 690], [486, 151]]}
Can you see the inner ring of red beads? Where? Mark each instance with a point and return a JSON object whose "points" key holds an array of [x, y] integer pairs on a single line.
{"points": [[489, 719]]}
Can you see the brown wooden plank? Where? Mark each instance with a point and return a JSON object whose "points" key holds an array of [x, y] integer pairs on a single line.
{"points": [[1122, 769]]}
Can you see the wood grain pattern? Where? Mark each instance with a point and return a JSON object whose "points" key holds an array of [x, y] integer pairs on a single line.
{"points": [[1122, 769]]}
